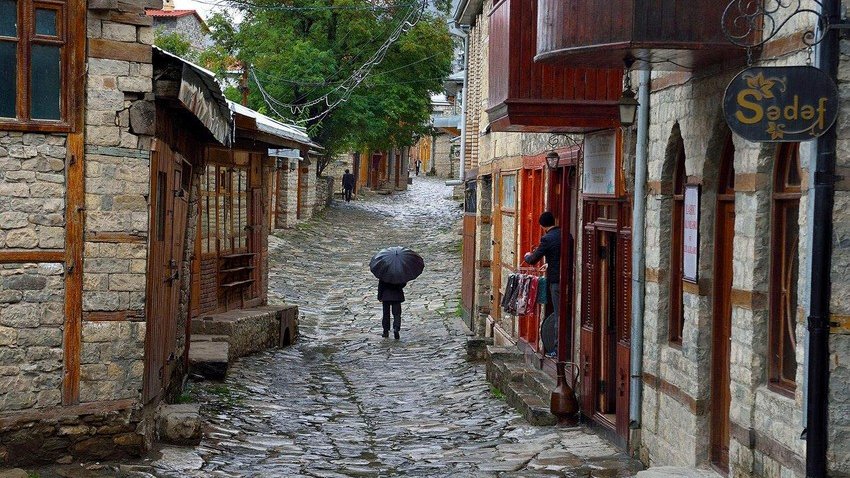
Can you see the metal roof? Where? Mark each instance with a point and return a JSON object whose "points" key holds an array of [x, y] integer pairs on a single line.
{"points": [[274, 127]]}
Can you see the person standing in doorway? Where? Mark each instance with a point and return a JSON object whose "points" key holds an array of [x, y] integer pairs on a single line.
{"points": [[550, 248], [348, 184], [391, 296]]}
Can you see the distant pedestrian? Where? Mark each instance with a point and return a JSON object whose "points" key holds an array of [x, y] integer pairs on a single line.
{"points": [[418, 166], [391, 295], [348, 184]]}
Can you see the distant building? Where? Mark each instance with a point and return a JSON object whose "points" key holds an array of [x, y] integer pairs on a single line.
{"points": [[185, 22]]}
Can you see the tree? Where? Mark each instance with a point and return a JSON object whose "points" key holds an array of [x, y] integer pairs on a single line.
{"points": [[174, 42], [302, 51]]}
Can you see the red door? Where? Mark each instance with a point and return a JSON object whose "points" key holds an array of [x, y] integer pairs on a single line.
{"points": [[170, 185]]}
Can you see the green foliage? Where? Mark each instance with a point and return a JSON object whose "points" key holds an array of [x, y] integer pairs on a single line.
{"points": [[174, 42], [306, 50], [497, 393]]}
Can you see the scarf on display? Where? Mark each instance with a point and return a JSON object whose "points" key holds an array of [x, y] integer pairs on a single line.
{"points": [[522, 293]]}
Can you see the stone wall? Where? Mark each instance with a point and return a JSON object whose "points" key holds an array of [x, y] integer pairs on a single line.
{"points": [[32, 191], [443, 166], [118, 141], [31, 322], [189, 26], [287, 197], [676, 424]]}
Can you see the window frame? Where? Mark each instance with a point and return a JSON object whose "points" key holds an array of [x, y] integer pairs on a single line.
{"points": [[676, 318], [70, 39], [783, 198]]}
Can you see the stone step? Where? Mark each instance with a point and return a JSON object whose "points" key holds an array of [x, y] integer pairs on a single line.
{"points": [[476, 347], [529, 405], [505, 354], [180, 424], [208, 338], [677, 472], [539, 382], [209, 359]]}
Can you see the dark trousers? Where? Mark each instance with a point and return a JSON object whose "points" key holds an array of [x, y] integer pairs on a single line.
{"points": [[347, 194], [396, 310], [555, 297]]}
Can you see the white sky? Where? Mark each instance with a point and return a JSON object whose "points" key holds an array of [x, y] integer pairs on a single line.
{"points": [[204, 7]]}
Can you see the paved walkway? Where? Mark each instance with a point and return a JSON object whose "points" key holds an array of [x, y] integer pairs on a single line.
{"points": [[345, 402]]}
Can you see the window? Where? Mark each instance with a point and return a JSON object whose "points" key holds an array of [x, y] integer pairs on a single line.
{"points": [[33, 43], [784, 268], [225, 206], [509, 192], [677, 310]]}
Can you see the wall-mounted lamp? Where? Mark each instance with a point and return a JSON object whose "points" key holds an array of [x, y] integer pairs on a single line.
{"points": [[628, 103], [552, 159]]}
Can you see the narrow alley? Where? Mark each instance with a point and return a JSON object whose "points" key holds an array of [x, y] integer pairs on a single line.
{"points": [[343, 401]]}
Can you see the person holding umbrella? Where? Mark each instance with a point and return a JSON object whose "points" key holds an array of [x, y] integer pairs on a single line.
{"points": [[394, 267]]}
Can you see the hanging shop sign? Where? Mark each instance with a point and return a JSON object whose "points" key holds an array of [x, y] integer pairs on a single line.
{"points": [[781, 104], [600, 164], [690, 238]]}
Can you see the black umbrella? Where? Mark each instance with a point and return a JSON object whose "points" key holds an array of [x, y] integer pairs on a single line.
{"points": [[397, 265]]}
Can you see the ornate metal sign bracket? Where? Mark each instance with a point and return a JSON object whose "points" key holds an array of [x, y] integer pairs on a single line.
{"points": [[752, 23]]}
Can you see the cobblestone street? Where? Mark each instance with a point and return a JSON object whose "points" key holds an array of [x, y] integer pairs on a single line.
{"points": [[343, 401]]}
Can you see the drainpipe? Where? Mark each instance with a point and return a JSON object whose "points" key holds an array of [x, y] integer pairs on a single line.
{"points": [[464, 96], [638, 245], [823, 189]]}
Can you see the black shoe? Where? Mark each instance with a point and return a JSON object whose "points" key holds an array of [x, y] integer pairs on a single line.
{"points": [[385, 334], [395, 334]]}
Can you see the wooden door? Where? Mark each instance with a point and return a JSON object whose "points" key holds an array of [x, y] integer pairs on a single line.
{"points": [[170, 185], [589, 284], [722, 324], [606, 327], [469, 251]]}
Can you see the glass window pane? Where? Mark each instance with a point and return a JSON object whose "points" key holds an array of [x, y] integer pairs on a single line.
{"points": [[45, 22], [8, 78], [8, 18], [46, 83]]}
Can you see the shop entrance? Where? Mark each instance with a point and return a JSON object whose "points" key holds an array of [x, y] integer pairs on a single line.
{"points": [[606, 338], [722, 325]]}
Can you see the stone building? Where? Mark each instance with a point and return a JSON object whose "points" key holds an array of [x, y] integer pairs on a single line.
{"points": [[96, 284], [722, 381], [187, 23]]}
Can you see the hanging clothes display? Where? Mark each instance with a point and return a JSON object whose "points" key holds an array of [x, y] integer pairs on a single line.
{"points": [[523, 293]]}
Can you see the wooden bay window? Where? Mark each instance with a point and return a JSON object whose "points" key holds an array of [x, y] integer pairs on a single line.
{"points": [[784, 269], [37, 56]]}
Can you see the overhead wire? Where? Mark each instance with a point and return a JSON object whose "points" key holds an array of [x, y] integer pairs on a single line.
{"points": [[346, 87]]}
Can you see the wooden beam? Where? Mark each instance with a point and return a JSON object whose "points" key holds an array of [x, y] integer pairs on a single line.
{"points": [[116, 50], [117, 237], [75, 220], [21, 417], [15, 257]]}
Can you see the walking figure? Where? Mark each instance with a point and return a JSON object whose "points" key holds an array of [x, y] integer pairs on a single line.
{"points": [[418, 165], [391, 296], [348, 184], [394, 267]]}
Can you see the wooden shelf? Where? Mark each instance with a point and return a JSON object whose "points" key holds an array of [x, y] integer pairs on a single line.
{"points": [[237, 256], [237, 283], [237, 269]]}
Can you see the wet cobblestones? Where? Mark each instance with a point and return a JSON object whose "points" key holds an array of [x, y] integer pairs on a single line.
{"points": [[345, 402]]}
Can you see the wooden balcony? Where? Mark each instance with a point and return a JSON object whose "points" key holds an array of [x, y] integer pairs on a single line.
{"points": [[525, 96], [669, 34]]}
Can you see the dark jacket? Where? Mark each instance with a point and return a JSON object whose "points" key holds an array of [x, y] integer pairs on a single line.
{"points": [[390, 292], [550, 248], [348, 181]]}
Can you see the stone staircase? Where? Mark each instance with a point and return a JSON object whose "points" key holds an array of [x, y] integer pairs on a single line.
{"points": [[525, 388]]}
